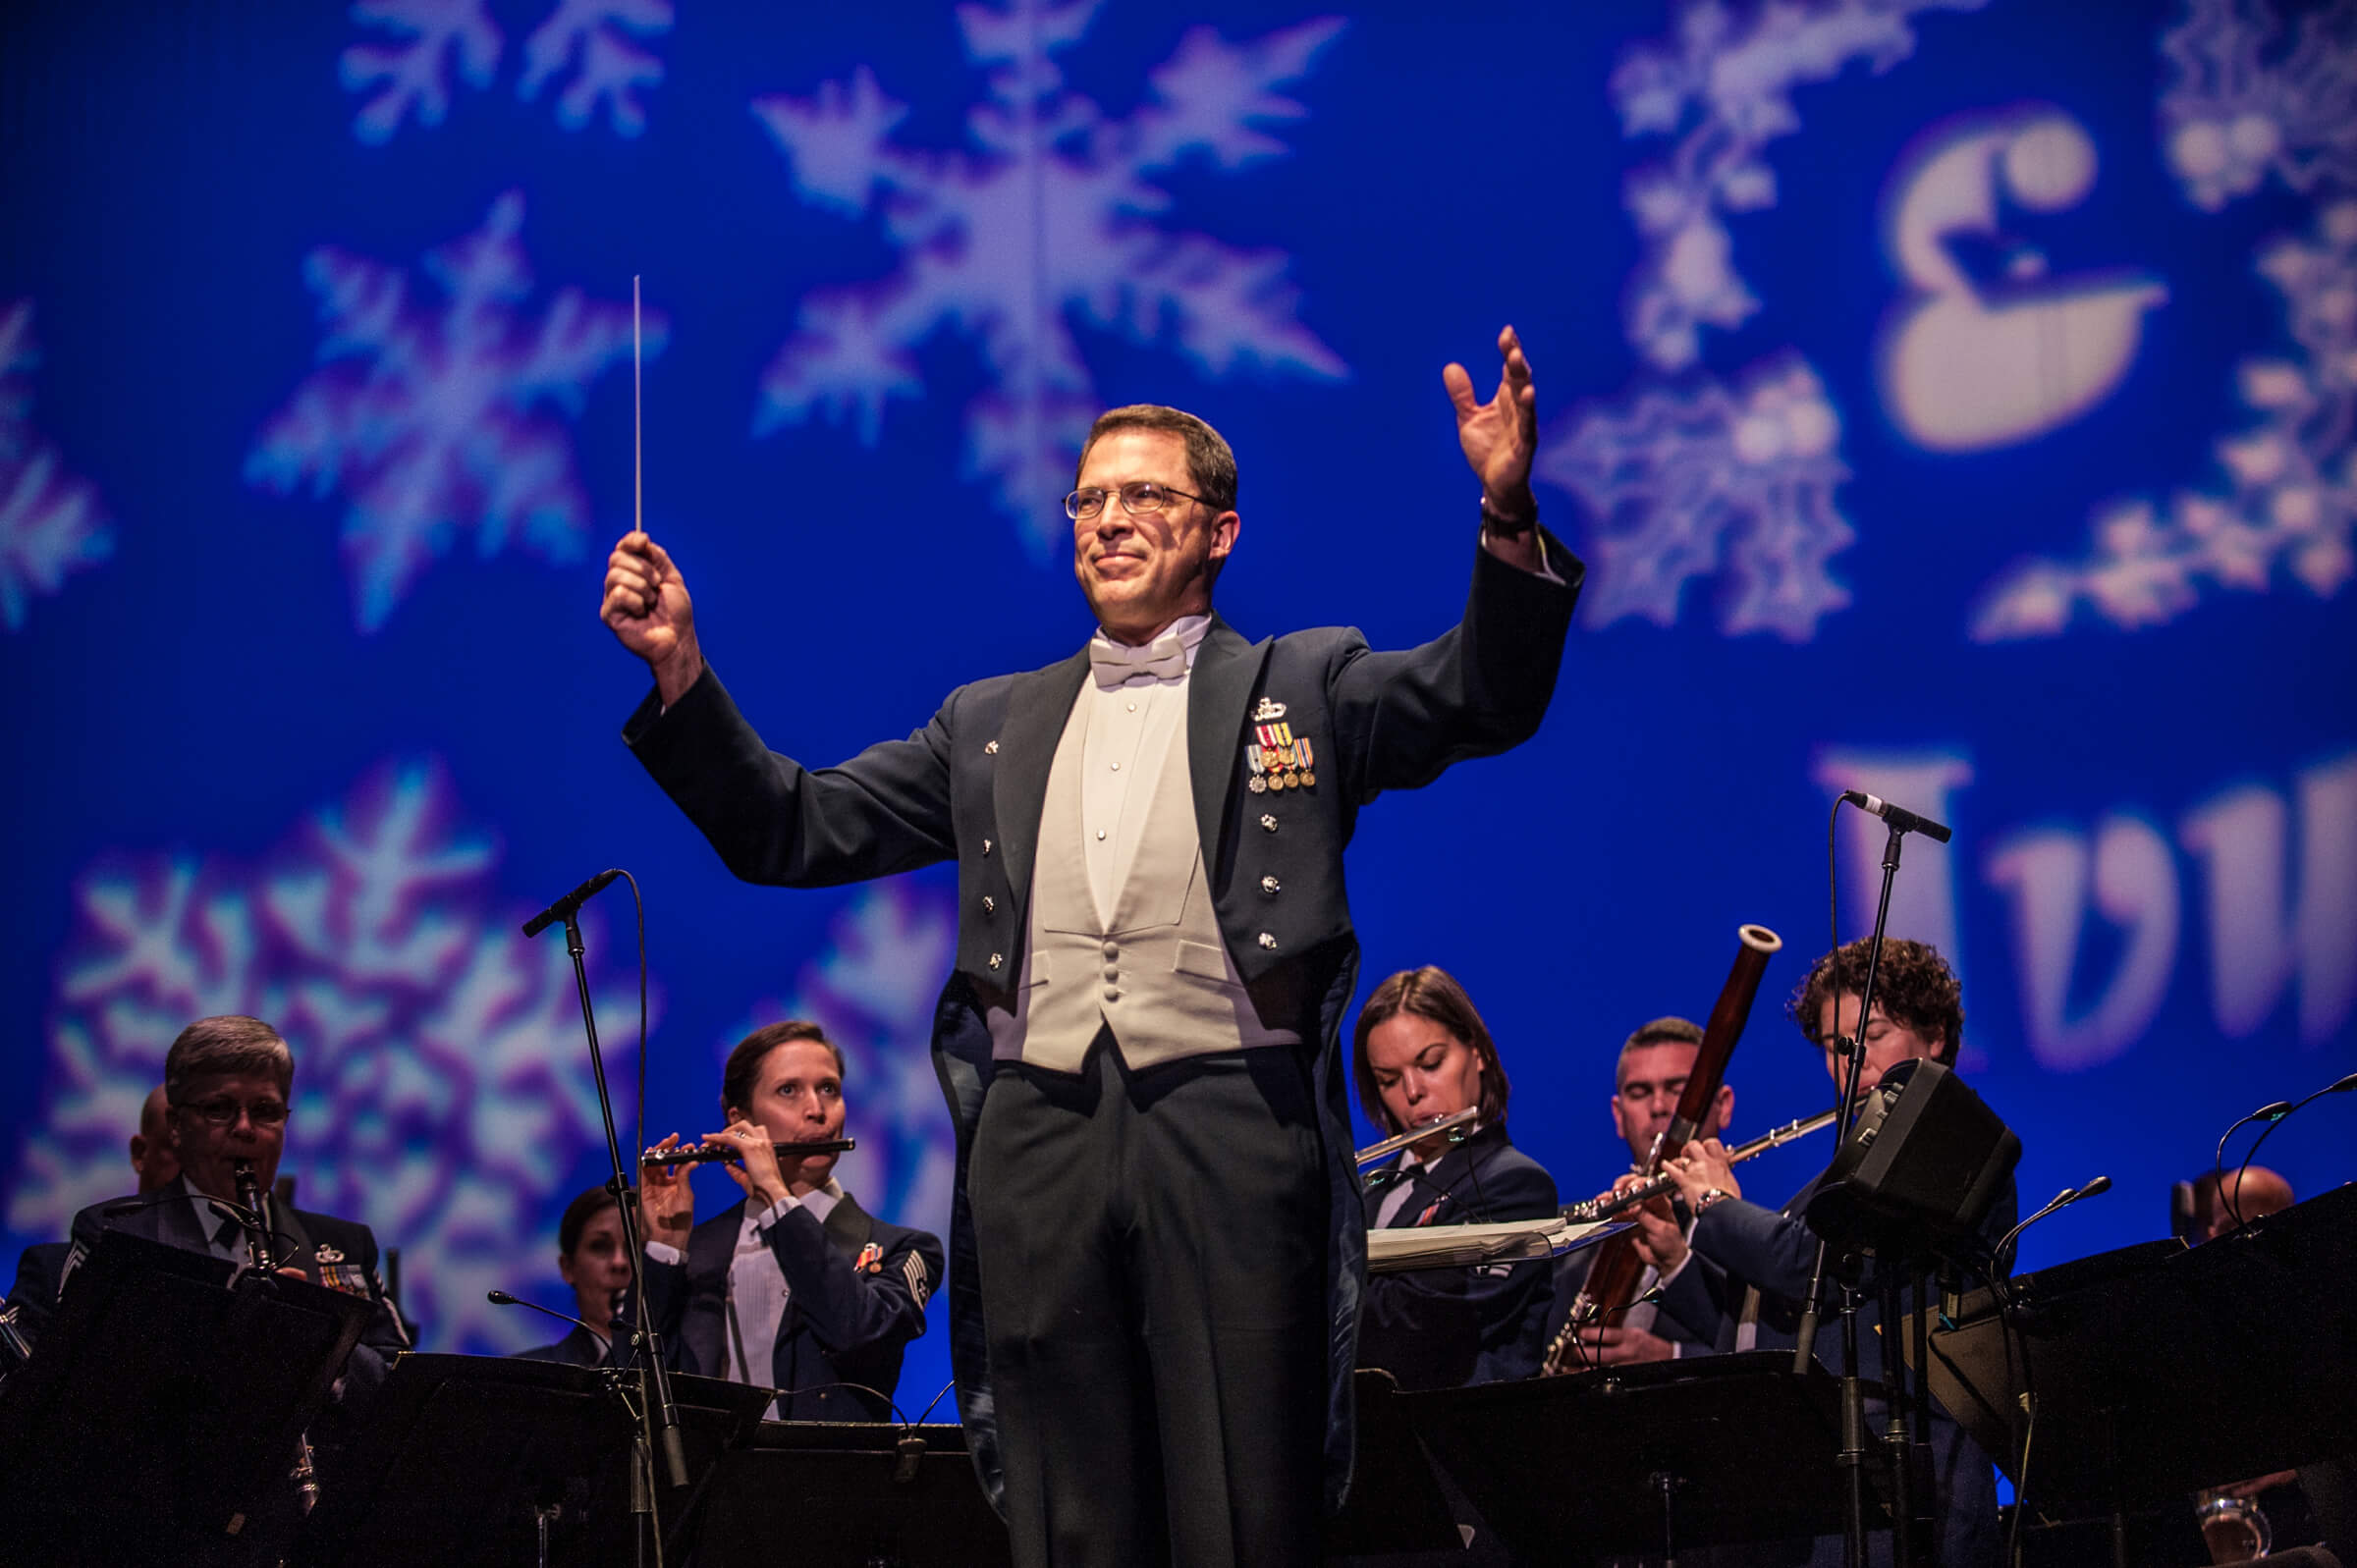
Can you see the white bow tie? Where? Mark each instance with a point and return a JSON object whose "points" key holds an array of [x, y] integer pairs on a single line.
{"points": [[1116, 663]]}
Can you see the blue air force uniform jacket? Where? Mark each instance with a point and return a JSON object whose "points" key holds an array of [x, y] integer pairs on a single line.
{"points": [[851, 1314], [1447, 1327], [970, 786], [339, 1254]]}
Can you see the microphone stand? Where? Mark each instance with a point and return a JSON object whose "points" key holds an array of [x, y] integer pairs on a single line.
{"points": [[1854, 1452], [659, 1411]]}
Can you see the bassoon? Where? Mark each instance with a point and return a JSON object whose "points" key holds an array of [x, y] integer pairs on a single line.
{"points": [[1612, 1279]]}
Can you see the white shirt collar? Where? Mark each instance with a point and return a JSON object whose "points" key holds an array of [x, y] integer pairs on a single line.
{"points": [[1190, 631]]}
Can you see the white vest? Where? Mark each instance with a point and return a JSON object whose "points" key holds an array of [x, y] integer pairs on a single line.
{"points": [[1156, 969]]}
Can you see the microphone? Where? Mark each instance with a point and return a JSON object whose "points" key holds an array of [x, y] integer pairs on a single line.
{"points": [[1900, 819], [2273, 1116], [500, 1298], [567, 907], [2001, 1254]]}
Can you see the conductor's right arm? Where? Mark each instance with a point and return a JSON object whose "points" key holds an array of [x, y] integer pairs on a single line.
{"points": [[647, 607], [773, 821]]}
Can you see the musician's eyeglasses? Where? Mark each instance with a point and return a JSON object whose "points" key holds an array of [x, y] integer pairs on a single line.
{"points": [[1139, 498], [221, 1111]]}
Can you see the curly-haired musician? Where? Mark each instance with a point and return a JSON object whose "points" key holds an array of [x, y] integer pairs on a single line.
{"points": [[1740, 1281]]}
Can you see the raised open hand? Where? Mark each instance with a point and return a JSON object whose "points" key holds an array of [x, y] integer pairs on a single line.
{"points": [[1501, 436]]}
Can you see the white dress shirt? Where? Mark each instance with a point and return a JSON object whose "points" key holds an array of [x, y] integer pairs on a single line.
{"points": [[757, 1292], [1131, 728]]}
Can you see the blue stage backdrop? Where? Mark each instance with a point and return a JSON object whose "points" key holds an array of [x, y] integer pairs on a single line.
{"points": [[1951, 398]]}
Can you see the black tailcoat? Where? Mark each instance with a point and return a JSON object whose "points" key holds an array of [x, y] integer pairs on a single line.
{"points": [[971, 785], [843, 1323], [1447, 1327]]}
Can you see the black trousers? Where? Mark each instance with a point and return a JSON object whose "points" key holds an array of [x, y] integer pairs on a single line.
{"points": [[1152, 1251]]}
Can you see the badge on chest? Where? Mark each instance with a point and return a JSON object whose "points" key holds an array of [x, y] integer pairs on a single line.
{"points": [[1279, 759]]}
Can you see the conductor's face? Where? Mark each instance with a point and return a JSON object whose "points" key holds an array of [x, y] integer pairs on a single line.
{"points": [[1143, 569], [223, 1119]]}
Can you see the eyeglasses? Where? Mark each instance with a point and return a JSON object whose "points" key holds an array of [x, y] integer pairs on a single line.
{"points": [[221, 1111], [1139, 498]]}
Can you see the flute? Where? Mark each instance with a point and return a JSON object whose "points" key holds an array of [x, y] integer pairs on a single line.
{"points": [[1447, 1123], [1595, 1209], [708, 1153]]}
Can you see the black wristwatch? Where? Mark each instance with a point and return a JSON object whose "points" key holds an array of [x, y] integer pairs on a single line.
{"points": [[1499, 523]]}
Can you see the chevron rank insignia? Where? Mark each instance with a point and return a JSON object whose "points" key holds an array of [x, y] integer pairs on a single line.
{"points": [[913, 1268]]}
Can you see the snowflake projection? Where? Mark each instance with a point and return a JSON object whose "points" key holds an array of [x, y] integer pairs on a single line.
{"points": [[50, 522], [2244, 103], [1723, 87], [1704, 476], [438, 419], [592, 36], [1048, 216], [873, 990], [2290, 497], [1739, 483], [410, 72], [442, 1086]]}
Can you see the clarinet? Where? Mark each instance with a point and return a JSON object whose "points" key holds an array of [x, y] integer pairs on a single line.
{"points": [[263, 1253]]}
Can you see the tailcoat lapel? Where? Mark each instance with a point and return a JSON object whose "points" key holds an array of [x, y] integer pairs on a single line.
{"points": [[1036, 712], [1227, 668]]}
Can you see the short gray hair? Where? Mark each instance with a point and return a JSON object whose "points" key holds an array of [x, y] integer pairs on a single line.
{"points": [[229, 1043]]}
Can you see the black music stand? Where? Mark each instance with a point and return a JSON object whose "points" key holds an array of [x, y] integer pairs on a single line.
{"points": [[158, 1418], [460, 1455], [1627, 1461], [1396, 1503], [2159, 1370], [870, 1492]]}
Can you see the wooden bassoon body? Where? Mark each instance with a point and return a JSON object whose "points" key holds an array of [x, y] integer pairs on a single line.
{"points": [[1613, 1275]]}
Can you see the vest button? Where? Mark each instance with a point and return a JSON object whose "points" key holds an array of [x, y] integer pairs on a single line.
{"points": [[1269, 884], [1113, 993], [1112, 973], [1270, 823], [1267, 941], [996, 960], [1113, 949]]}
